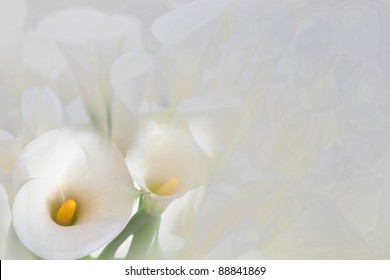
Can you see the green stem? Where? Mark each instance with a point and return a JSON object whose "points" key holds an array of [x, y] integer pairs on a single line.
{"points": [[135, 223], [145, 240]]}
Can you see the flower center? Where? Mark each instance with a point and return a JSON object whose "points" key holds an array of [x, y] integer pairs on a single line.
{"points": [[167, 188], [65, 214]]}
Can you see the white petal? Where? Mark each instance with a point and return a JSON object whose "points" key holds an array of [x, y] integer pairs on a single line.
{"points": [[5, 135], [14, 249], [129, 75], [9, 151], [6, 182], [6, 149], [58, 154], [204, 134], [188, 36], [103, 214], [43, 58], [72, 163], [91, 42], [49, 156], [32, 215], [12, 17], [5, 212], [182, 65], [76, 113], [162, 152], [177, 220], [211, 101], [41, 109], [319, 232], [235, 243], [71, 26], [181, 22], [124, 125], [117, 27], [215, 129]]}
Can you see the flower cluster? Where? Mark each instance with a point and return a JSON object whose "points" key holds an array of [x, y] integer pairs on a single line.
{"points": [[194, 129]]}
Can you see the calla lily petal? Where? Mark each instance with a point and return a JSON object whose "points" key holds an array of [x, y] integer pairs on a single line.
{"points": [[166, 162], [191, 17], [72, 25], [162, 152], [41, 109], [78, 164], [12, 16], [5, 213]]}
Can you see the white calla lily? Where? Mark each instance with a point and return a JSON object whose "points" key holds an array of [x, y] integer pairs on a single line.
{"points": [[166, 162], [91, 41], [74, 163]]}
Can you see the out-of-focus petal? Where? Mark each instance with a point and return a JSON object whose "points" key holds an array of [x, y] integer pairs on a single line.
{"points": [[72, 25], [41, 110], [91, 43], [129, 75], [184, 20], [43, 57], [176, 221], [210, 101], [124, 125], [5, 212], [12, 16]]}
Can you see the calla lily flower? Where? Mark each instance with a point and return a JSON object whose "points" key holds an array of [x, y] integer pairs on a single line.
{"points": [[74, 193], [166, 162], [91, 41]]}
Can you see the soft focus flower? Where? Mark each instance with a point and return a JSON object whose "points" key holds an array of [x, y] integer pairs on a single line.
{"points": [[166, 162], [269, 134], [91, 41], [12, 17], [5, 219], [306, 179], [76, 164]]}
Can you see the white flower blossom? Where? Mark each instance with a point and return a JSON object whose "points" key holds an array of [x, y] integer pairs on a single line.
{"points": [[91, 41], [166, 162], [5, 219], [77, 164], [269, 136], [306, 179]]}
